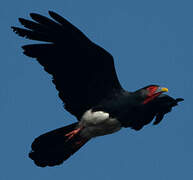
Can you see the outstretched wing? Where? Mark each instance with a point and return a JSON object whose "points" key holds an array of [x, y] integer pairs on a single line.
{"points": [[155, 109], [83, 72], [164, 105]]}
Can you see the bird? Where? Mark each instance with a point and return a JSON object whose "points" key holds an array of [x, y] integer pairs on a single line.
{"points": [[85, 77]]}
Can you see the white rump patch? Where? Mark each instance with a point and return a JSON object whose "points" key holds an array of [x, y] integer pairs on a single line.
{"points": [[94, 118], [98, 123]]}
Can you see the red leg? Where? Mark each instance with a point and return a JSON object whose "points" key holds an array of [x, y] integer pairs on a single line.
{"points": [[73, 133]]}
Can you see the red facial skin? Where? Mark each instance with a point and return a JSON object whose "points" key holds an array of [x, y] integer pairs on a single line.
{"points": [[151, 95]]}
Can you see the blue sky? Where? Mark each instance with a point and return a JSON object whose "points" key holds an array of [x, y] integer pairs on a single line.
{"points": [[151, 41]]}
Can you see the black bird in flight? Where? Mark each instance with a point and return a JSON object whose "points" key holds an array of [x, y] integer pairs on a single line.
{"points": [[85, 76]]}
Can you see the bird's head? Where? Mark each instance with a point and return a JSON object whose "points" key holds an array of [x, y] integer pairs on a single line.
{"points": [[150, 92]]}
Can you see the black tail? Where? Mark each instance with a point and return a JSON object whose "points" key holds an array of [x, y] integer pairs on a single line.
{"points": [[56, 146]]}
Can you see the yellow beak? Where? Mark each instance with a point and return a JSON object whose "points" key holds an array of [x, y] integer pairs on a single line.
{"points": [[163, 89]]}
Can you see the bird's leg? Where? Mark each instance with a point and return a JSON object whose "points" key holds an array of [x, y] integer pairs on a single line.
{"points": [[73, 133]]}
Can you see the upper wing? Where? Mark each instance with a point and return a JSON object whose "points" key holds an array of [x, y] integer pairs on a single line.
{"points": [[83, 72]]}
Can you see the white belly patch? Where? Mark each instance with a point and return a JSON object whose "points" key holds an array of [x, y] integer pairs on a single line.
{"points": [[98, 123]]}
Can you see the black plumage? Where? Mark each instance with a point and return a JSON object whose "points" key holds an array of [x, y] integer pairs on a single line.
{"points": [[85, 77], [78, 66]]}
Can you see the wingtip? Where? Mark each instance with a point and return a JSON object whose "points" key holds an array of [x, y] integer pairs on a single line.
{"points": [[14, 29], [23, 47], [21, 20], [179, 99], [32, 14], [52, 13]]}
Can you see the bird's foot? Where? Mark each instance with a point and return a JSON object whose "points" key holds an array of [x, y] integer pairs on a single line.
{"points": [[73, 133]]}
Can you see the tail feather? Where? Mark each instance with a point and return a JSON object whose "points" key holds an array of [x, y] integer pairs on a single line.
{"points": [[56, 146]]}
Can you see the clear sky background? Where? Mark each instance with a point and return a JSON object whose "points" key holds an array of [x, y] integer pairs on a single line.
{"points": [[151, 41]]}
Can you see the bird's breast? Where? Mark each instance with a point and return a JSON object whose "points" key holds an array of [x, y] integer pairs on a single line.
{"points": [[98, 123]]}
